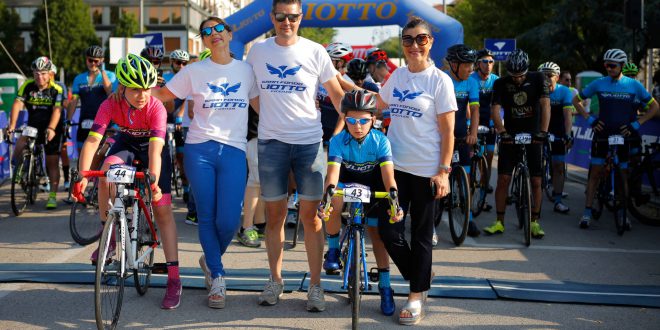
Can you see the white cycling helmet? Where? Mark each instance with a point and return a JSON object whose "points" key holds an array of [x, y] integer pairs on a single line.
{"points": [[615, 55], [53, 68], [549, 67], [338, 50], [180, 54]]}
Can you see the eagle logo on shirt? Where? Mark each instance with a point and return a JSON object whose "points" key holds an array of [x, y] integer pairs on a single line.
{"points": [[282, 71], [405, 95], [224, 89]]}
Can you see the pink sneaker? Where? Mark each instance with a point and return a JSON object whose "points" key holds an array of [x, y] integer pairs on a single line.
{"points": [[172, 297], [95, 254]]}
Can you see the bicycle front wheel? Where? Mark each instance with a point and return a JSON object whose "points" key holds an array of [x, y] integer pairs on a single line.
{"points": [[176, 175], [619, 202], [21, 187], [109, 283], [354, 279], [145, 239], [84, 222], [458, 204], [524, 204], [479, 179]]}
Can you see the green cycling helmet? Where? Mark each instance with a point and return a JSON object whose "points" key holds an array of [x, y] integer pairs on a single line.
{"points": [[630, 69], [134, 71], [204, 54]]}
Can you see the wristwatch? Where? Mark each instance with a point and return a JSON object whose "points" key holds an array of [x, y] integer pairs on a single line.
{"points": [[445, 169]]}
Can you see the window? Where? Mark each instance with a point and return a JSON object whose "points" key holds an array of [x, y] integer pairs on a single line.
{"points": [[26, 14], [135, 11], [172, 43], [97, 15], [175, 13]]}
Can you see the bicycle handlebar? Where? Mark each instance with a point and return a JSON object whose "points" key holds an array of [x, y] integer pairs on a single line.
{"points": [[391, 196]]}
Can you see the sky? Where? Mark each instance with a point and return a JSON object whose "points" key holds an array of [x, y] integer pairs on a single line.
{"points": [[372, 35]]}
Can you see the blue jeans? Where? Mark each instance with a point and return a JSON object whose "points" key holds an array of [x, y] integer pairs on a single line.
{"points": [[217, 173]]}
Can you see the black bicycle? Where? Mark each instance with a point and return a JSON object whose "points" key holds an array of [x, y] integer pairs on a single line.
{"points": [[177, 184], [479, 172], [521, 191], [29, 171], [458, 200], [611, 191]]}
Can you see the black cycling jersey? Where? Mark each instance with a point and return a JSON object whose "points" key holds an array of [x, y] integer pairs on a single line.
{"points": [[522, 109], [40, 103]]}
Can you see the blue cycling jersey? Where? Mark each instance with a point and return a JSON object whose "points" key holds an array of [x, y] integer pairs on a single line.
{"points": [[91, 95], [485, 96], [616, 100], [360, 157], [560, 98], [467, 93]]}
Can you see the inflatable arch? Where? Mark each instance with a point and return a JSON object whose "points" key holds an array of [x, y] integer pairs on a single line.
{"points": [[254, 20]]}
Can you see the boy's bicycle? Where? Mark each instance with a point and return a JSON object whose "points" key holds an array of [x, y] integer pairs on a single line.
{"points": [[127, 243], [355, 275], [29, 171]]}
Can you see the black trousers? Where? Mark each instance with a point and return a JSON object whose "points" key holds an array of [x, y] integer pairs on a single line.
{"points": [[413, 259]]}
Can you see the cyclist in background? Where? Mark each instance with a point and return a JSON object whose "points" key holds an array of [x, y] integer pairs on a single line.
{"points": [[361, 155], [561, 124], [617, 97], [374, 56], [91, 88], [155, 56], [486, 78], [42, 98], [142, 126], [357, 70], [340, 54], [525, 98], [461, 65], [64, 154], [630, 70]]}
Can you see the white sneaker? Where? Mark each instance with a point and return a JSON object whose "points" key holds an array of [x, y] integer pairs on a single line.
{"points": [[291, 219], [434, 239]]}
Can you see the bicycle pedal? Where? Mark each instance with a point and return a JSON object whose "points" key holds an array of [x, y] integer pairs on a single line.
{"points": [[159, 268], [373, 275]]}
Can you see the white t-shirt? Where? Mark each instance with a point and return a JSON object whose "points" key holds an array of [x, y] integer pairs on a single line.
{"points": [[221, 94], [288, 79], [415, 100]]}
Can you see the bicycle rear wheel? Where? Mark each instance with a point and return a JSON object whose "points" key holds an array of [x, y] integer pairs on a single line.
{"points": [[354, 279], [84, 222], [479, 184], [525, 205], [145, 239], [109, 283], [459, 204], [21, 187], [619, 202]]}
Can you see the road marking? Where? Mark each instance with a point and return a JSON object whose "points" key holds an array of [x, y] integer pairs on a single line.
{"points": [[469, 242], [505, 287]]}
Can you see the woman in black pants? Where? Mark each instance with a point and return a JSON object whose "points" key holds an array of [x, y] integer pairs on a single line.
{"points": [[422, 104]]}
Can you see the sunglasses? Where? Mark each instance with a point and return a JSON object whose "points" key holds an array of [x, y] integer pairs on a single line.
{"points": [[420, 39], [180, 62], [358, 78], [487, 61], [155, 62], [280, 17], [549, 75], [93, 61], [354, 121], [207, 31], [611, 65]]}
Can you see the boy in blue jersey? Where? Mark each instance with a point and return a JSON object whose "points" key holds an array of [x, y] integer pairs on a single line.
{"points": [[461, 64], [561, 123], [617, 95], [359, 154]]}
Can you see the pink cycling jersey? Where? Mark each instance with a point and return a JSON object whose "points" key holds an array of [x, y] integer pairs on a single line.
{"points": [[149, 122]]}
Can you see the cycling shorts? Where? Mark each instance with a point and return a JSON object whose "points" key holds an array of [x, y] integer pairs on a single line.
{"points": [[510, 155]]}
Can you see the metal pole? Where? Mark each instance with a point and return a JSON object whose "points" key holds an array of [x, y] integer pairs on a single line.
{"points": [[50, 50], [141, 16], [11, 58], [649, 69], [444, 6]]}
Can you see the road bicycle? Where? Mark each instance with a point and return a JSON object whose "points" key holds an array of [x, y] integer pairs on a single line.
{"points": [[29, 172], [546, 164], [127, 243], [479, 172], [177, 183], [356, 278], [644, 203], [611, 191], [521, 192], [458, 200]]}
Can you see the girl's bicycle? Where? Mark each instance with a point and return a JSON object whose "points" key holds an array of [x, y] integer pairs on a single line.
{"points": [[127, 243]]}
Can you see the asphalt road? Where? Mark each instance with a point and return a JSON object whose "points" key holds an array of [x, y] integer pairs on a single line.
{"points": [[567, 253]]}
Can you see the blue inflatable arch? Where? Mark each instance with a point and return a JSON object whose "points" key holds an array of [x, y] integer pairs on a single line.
{"points": [[254, 20]]}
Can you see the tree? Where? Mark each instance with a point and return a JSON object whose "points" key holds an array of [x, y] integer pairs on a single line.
{"points": [[9, 35], [322, 36], [126, 26], [392, 47], [71, 32]]}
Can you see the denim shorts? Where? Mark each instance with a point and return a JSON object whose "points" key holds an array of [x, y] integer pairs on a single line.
{"points": [[277, 159]]}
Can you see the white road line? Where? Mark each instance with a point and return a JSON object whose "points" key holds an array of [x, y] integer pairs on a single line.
{"points": [[469, 242], [505, 287]]}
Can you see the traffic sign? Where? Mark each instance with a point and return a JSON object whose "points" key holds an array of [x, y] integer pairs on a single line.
{"points": [[153, 39], [501, 48]]}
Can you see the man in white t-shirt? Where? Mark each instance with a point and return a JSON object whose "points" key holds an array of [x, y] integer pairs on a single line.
{"points": [[289, 70]]}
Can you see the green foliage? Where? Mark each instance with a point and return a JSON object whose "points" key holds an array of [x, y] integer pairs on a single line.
{"points": [[71, 32], [392, 47], [9, 36], [320, 35], [574, 34], [126, 27]]}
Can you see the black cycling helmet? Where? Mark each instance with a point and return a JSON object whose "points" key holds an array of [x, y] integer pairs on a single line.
{"points": [[483, 53], [357, 69], [94, 51], [460, 53], [152, 52], [358, 100], [518, 62]]}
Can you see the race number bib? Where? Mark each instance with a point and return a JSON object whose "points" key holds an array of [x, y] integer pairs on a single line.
{"points": [[615, 140], [523, 138], [455, 158], [120, 173], [30, 131], [86, 124], [483, 129], [354, 192]]}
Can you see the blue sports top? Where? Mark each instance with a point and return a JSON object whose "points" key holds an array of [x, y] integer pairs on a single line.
{"points": [[560, 99], [467, 93], [485, 96], [358, 157], [91, 96], [616, 99]]}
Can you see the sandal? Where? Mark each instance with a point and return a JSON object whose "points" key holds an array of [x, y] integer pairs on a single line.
{"points": [[416, 310]]}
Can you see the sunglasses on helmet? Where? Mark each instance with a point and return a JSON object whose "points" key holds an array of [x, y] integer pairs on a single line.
{"points": [[207, 31]]}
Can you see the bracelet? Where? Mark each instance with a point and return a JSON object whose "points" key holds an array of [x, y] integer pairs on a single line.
{"points": [[52, 129]]}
